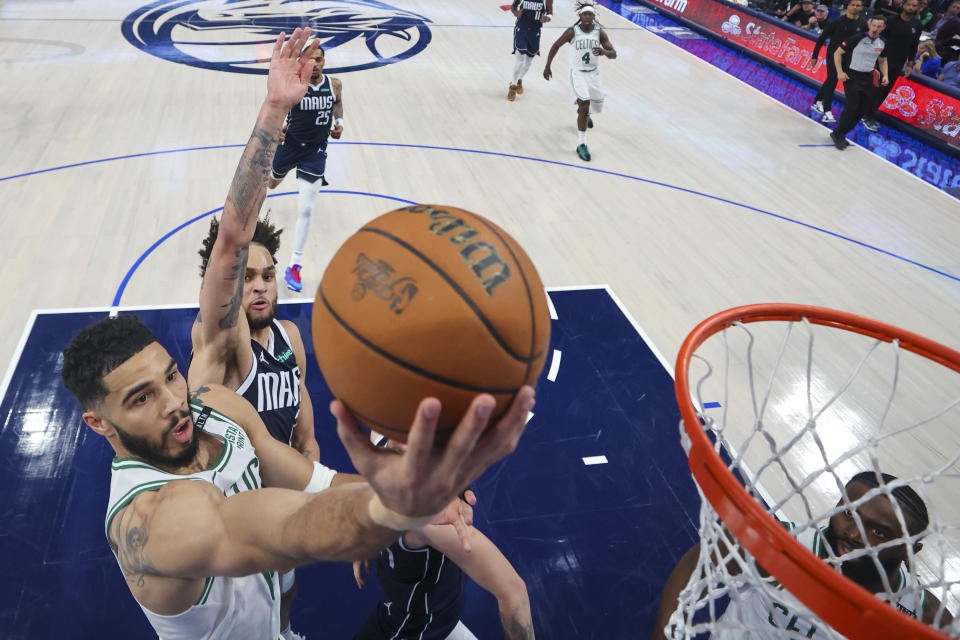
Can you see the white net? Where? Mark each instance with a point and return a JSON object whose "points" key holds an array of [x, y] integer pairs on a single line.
{"points": [[796, 410]]}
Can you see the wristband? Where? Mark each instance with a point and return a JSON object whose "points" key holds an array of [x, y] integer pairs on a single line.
{"points": [[338, 122], [390, 519], [321, 478]]}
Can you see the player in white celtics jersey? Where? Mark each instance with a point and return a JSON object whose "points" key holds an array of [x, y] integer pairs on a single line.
{"points": [[588, 41], [756, 616], [188, 520]]}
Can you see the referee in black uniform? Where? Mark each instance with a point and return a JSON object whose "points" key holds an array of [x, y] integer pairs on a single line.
{"points": [[902, 36], [855, 59], [837, 30]]}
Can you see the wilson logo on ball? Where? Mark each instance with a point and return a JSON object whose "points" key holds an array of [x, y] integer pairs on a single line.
{"points": [[481, 257], [375, 277]]}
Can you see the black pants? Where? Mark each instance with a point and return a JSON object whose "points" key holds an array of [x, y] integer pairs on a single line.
{"points": [[860, 99], [884, 91], [825, 95]]}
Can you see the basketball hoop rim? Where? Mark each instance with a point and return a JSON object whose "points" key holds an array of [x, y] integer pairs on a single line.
{"points": [[854, 612]]}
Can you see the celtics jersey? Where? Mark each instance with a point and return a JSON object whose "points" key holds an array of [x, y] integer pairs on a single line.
{"points": [[785, 617], [246, 608], [581, 48]]}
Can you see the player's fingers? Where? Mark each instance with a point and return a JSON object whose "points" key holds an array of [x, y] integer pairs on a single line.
{"points": [[358, 574], [503, 437], [466, 512], [302, 41], [463, 532], [470, 497], [361, 451], [290, 44], [468, 432], [422, 433], [278, 46]]}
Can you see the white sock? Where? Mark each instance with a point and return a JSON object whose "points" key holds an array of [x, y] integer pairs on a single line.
{"points": [[527, 61], [582, 137], [305, 202], [518, 69], [287, 634]]}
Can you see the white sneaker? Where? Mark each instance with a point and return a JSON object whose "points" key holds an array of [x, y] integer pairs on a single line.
{"points": [[290, 634], [817, 107], [828, 117]]}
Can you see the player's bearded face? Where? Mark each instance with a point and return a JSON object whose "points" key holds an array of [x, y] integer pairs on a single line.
{"points": [[156, 452], [260, 288]]}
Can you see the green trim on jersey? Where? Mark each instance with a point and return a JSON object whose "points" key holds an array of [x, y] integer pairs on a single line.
{"points": [[205, 593], [268, 576], [153, 485]]}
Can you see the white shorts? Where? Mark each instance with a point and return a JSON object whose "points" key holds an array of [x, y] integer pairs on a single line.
{"points": [[586, 86]]}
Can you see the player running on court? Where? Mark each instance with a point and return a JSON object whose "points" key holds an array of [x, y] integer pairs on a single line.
{"points": [[530, 14], [303, 144], [588, 42]]}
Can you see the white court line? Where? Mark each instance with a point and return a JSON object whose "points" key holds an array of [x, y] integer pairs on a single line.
{"points": [[554, 366], [17, 353], [529, 417], [663, 361], [553, 309], [590, 460]]}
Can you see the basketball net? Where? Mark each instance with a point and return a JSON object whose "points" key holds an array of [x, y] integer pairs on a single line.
{"points": [[781, 406]]}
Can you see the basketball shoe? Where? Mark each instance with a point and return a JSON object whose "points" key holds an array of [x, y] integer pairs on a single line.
{"points": [[292, 277], [512, 93], [870, 124], [519, 87], [817, 107], [583, 152], [828, 117]]}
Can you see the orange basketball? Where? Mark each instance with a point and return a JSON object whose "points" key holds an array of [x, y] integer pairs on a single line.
{"points": [[428, 301]]}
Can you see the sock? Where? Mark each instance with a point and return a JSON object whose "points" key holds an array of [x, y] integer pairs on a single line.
{"points": [[305, 201], [583, 136], [527, 61], [287, 633], [518, 66]]}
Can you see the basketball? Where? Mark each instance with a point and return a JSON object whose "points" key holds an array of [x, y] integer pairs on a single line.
{"points": [[428, 301]]}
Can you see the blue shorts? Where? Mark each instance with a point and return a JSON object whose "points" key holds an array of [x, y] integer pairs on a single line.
{"points": [[309, 159], [526, 40]]}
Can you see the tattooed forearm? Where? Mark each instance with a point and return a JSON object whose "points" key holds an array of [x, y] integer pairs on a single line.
{"points": [[515, 630], [131, 542], [249, 186], [237, 272]]}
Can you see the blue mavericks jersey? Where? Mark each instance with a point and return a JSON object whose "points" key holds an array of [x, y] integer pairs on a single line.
{"points": [[273, 384], [309, 120], [530, 12]]}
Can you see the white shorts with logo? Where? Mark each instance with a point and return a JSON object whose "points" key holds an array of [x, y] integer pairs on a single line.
{"points": [[586, 86]]}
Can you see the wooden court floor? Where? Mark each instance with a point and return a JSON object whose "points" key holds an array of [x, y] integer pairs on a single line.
{"points": [[699, 196]]}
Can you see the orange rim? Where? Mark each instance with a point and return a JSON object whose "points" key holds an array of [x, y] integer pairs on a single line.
{"points": [[845, 605]]}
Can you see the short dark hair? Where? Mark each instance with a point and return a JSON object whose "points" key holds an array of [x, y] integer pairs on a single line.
{"points": [[265, 234], [909, 500], [96, 351]]}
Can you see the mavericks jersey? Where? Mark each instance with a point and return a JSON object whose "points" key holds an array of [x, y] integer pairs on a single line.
{"points": [[786, 617], [530, 12], [309, 120], [421, 593], [272, 385], [246, 608], [581, 48]]}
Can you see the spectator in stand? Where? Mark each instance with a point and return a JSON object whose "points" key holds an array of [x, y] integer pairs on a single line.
{"points": [[951, 74], [800, 14], [928, 60], [951, 11], [902, 35], [947, 34], [819, 20], [780, 8], [836, 31], [925, 15]]}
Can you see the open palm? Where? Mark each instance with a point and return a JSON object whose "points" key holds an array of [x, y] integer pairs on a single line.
{"points": [[289, 71]]}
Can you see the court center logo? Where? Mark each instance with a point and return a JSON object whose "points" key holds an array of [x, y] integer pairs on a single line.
{"points": [[238, 35]]}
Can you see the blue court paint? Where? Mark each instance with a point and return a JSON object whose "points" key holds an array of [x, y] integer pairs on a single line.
{"points": [[594, 543], [568, 165], [711, 405], [143, 256]]}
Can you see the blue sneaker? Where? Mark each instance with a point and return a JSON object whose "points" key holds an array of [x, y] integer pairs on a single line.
{"points": [[292, 277], [583, 152]]}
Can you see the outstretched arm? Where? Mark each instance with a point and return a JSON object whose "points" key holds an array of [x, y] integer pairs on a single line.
{"points": [[489, 568], [221, 332], [564, 38]]}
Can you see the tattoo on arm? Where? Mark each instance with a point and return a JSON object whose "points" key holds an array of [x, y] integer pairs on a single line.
{"points": [[132, 534], [514, 630], [249, 187], [196, 393], [238, 273]]}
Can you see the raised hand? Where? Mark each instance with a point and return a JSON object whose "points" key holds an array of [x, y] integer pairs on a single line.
{"points": [[289, 71], [425, 478]]}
